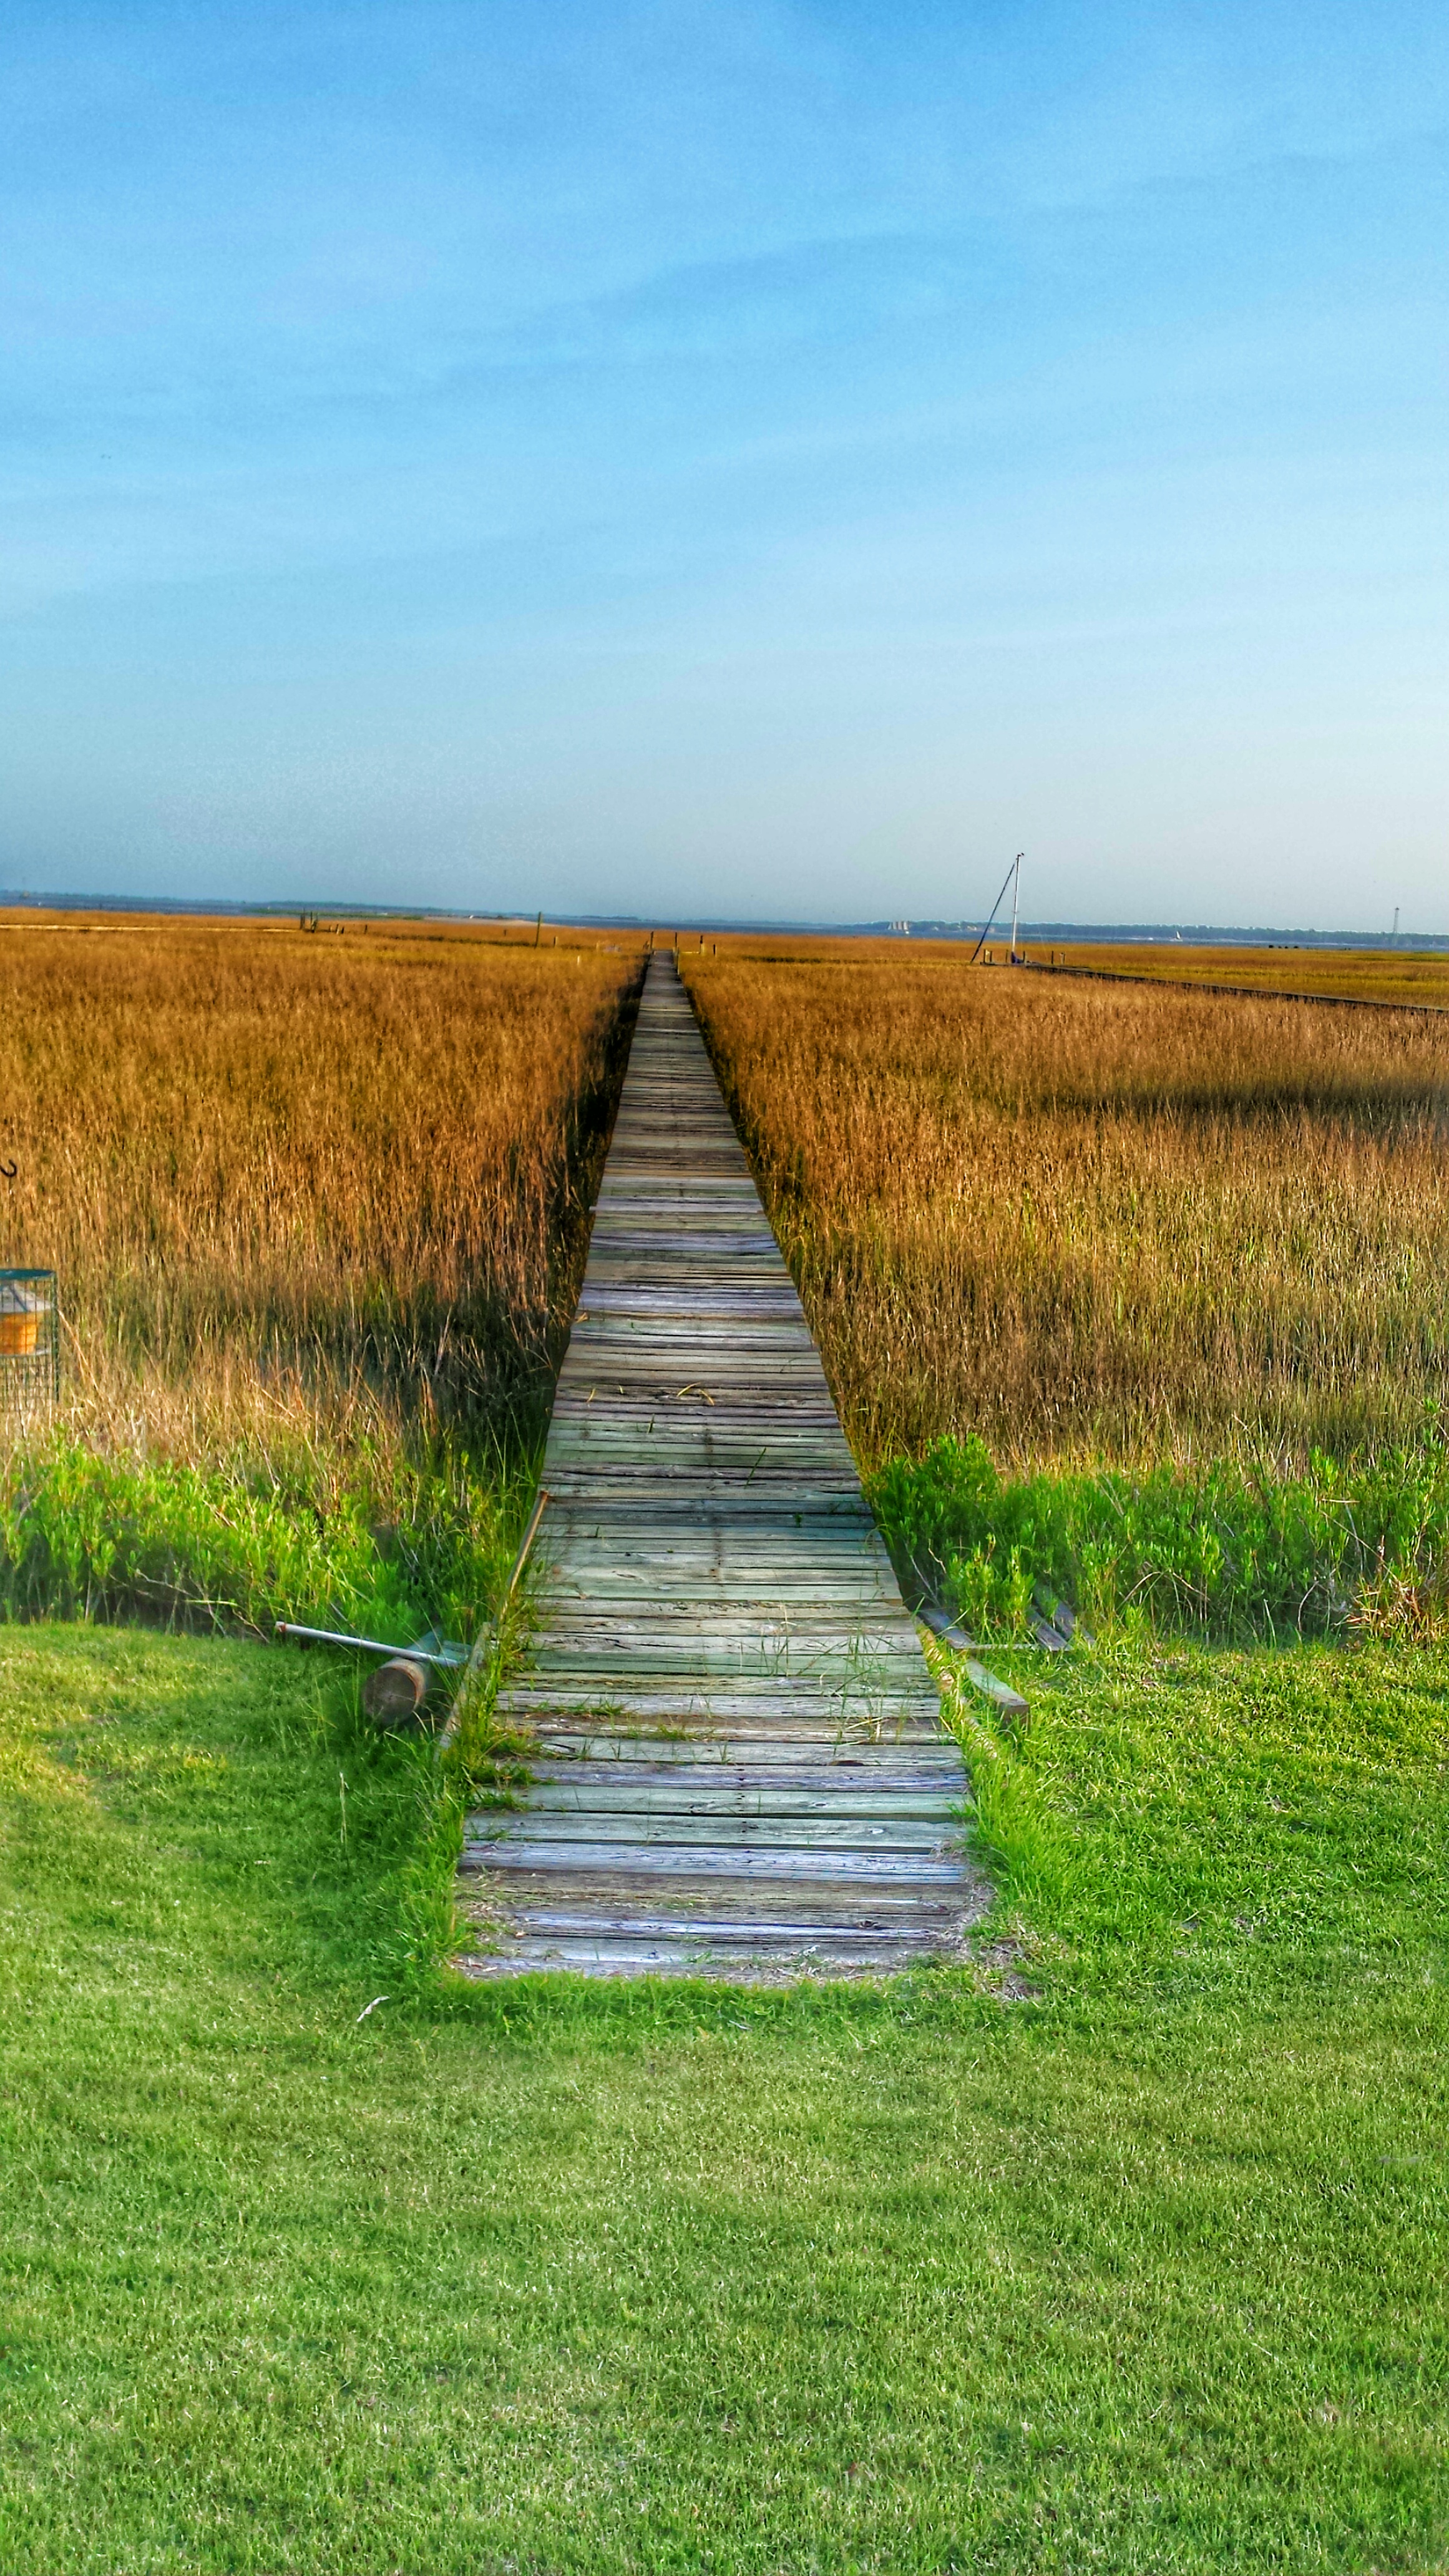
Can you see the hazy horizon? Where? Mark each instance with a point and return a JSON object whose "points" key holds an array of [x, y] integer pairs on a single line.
{"points": [[766, 458], [687, 924]]}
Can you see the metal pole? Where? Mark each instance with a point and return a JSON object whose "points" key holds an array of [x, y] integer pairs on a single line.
{"points": [[447, 1662], [1015, 901], [991, 916]]}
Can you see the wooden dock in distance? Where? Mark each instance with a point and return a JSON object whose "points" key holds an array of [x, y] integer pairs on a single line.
{"points": [[740, 1769]]}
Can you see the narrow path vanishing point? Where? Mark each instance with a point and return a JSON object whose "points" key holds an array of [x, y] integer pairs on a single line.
{"points": [[741, 1771]]}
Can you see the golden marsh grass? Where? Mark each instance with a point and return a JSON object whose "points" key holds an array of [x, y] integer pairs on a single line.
{"points": [[1095, 1220], [294, 1181], [1417, 976]]}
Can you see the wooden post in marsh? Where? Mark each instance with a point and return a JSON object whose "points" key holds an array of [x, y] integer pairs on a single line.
{"points": [[740, 1770]]}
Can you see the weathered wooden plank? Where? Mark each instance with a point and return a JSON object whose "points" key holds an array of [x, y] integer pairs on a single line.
{"points": [[608, 1740], [715, 1652], [701, 1788], [876, 1834], [717, 1638], [722, 1860], [619, 1914], [753, 1962], [817, 1752], [679, 1907], [679, 1574], [854, 1766], [582, 1687]]}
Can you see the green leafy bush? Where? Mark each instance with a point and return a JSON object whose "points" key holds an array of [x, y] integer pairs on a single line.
{"points": [[1218, 1550], [235, 1548]]}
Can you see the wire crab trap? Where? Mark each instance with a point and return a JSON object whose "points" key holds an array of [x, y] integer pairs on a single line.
{"points": [[29, 1344]]}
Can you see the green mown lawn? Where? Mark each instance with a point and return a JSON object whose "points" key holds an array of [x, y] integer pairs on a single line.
{"points": [[1143, 2269]]}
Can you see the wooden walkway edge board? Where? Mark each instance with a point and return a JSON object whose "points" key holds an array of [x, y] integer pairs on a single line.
{"points": [[740, 1768]]}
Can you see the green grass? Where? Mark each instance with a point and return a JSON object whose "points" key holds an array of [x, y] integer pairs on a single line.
{"points": [[1143, 2270]]}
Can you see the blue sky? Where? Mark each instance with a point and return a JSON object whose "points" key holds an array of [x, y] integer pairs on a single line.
{"points": [[756, 460]]}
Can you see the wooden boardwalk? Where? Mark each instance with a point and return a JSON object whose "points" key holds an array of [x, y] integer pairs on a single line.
{"points": [[740, 1770]]}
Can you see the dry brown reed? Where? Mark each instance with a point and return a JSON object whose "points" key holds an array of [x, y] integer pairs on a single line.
{"points": [[297, 1185], [1095, 1220]]}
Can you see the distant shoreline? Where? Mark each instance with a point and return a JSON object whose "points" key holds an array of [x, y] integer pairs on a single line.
{"points": [[1072, 933]]}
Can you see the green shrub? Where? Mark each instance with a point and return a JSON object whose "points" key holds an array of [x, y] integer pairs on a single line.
{"points": [[236, 1547], [1218, 1550]]}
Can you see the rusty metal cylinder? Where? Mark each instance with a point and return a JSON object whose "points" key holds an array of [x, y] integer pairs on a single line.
{"points": [[393, 1695]]}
